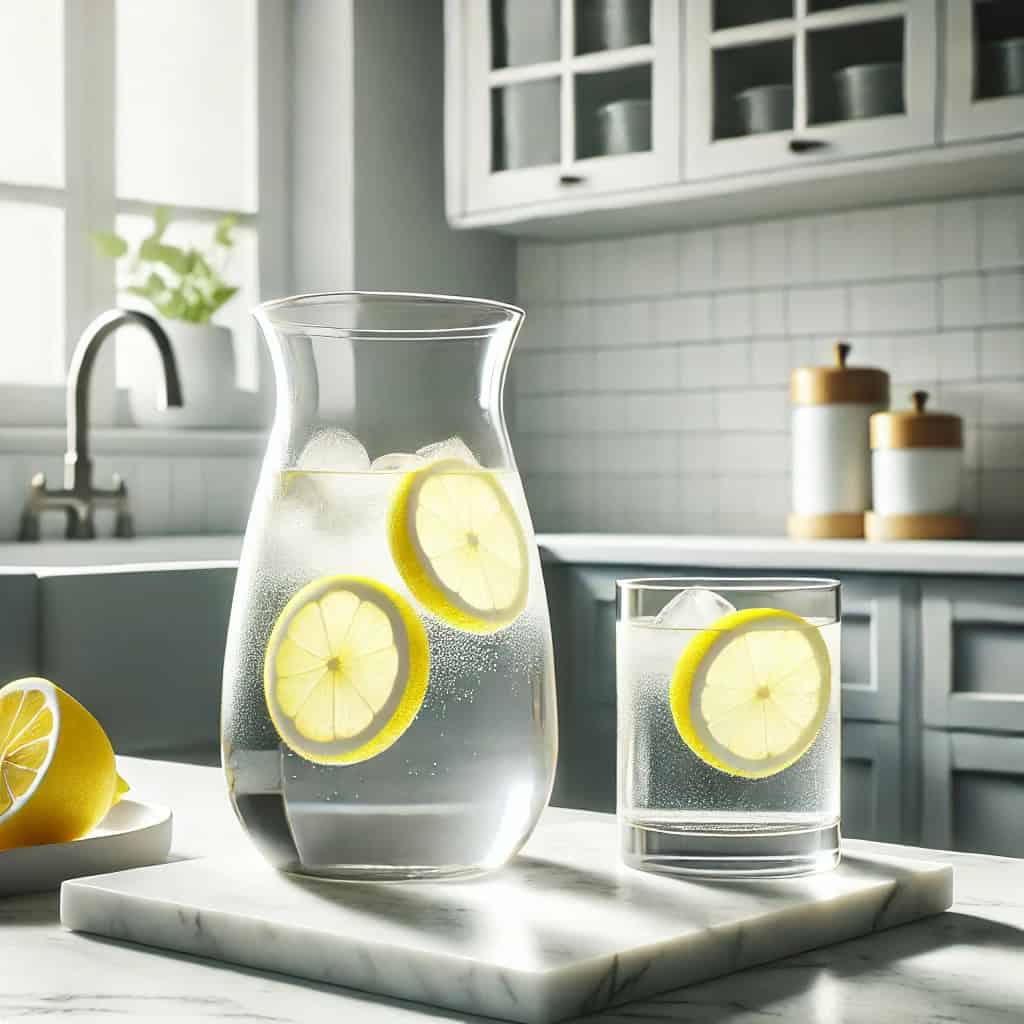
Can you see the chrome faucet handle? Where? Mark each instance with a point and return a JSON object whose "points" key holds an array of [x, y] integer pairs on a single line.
{"points": [[124, 524]]}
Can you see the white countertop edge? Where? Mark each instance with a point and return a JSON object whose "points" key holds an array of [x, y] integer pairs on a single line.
{"points": [[980, 557]]}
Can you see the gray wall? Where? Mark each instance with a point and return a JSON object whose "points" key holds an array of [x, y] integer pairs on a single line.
{"points": [[651, 382]]}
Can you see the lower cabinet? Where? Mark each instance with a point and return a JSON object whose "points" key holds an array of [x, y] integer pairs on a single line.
{"points": [[973, 792], [871, 791]]}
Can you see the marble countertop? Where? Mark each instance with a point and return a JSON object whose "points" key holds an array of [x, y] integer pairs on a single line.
{"points": [[963, 965], [968, 557]]}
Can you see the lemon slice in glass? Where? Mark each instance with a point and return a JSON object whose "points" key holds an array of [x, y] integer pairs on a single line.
{"points": [[346, 669], [750, 693], [57, 772], [457, 542]]}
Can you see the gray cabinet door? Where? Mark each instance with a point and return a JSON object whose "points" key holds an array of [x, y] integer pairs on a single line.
{"points": [[875, 639], [972, 654], [973, 792], [871, 794]]}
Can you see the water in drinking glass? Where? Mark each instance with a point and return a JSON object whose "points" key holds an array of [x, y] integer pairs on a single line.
{"points": [[729, 725]]}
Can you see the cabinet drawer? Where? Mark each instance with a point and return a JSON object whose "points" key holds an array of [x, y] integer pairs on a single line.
{"points": [[973, 792], [871, 803], [972, 650]]}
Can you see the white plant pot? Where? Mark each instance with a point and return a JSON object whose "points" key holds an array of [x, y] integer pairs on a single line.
{"points": [[206, 368]]}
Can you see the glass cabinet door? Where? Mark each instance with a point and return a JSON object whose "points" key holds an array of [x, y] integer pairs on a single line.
{"points": [[985, 62], [565, 98], [785, 82]]}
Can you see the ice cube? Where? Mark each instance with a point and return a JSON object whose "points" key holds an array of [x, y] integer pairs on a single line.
{"points": [[452, 448], [334, 450], [397, 462], [693, 608]]}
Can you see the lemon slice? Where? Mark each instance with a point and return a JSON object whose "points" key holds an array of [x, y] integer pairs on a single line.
{"points": [[57, 772], [346, 669], [750, 693], [459, 547]]}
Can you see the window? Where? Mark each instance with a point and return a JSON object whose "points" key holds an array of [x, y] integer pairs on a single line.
{"points": [[109, 108]]}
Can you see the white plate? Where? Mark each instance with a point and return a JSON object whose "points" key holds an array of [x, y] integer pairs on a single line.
{"points": [[132, 835]]}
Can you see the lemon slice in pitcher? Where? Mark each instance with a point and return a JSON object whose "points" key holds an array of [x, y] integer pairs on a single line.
{"points": [[750, 693], [457, 542], [346, 669]]}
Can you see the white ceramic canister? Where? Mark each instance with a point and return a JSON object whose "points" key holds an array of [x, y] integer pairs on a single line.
{"points": [[916, 460], [832, 406]]}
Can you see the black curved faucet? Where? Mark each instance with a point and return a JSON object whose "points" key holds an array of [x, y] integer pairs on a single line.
{"points": [[78, 498]]}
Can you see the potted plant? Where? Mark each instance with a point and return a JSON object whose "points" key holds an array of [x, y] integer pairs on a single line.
{"points": [[185, 287]]}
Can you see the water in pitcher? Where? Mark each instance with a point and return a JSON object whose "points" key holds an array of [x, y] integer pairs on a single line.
{"points": [[429, 775]]}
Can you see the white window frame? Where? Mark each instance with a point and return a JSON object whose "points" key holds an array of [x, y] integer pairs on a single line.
{"points": [[90, 202]]}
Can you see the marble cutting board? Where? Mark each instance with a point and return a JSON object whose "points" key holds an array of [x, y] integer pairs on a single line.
{"points": [[564, 930]]}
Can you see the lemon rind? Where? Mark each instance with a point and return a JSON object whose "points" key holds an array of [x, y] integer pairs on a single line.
{"points": [[414, 687], [48, 690], [693, 664], [414, 565]]}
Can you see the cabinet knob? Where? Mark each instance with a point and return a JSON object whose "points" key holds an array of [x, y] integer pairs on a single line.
{"points": [[806, 145], [570, 179]]}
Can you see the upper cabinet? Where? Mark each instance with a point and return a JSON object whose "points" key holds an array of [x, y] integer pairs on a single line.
{"points": [[785, 82], [985, 69], [561, 96], [592, 117]]}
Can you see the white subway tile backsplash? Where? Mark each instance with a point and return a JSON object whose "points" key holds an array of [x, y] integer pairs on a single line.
{"points": [[958, 235], [770, 362], [957, 353], [651, 389], [1002, 352], [768, 253], [652, 266], [962, 304], [683, 319], [801, 251], [610, 263], [188, 496], [732, 314], [732, 256], [894, 306], [699, 367], [769, 312], [1003, 297], [577, 275], [916, 239], [1002, 448], [696, 261], [817, 310], [622, 323], [760, 410], [1002, 231]]}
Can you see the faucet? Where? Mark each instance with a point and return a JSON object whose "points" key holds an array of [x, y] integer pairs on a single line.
{"points": [[78, 498]]}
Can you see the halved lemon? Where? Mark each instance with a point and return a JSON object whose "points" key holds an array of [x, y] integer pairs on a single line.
{"points": [[458, 544], [57, 772], [346, 669], [750, 693]]}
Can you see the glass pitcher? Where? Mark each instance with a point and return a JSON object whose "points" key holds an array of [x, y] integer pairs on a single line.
{"points": [[389, 695]]}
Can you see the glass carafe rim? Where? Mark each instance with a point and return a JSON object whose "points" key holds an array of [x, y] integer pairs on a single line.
{"points": [[493, 315]]}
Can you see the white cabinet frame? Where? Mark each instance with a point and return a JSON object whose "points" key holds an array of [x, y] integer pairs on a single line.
{"points": [[964, 117], [470, 79], [838, 140]]}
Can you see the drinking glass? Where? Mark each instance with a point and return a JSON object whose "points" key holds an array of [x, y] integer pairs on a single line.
{"points": [[389, 707], [728, 725]]}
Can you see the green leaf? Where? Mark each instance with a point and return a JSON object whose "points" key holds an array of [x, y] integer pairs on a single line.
{"points": [[108, 244], [161, 218], [221, 294], [222, 233], [169, 255], [173, 307]]}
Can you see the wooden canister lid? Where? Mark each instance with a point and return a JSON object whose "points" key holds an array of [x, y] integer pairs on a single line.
{"points": [[839, 383], [915, 428]]}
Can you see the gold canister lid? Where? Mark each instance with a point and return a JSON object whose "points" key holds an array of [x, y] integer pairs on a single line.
{"points": [[915, 428], [839, 383]]}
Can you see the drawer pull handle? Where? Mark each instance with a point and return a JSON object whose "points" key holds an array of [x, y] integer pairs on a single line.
{"points": [[570, 179], [806, 145]]}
